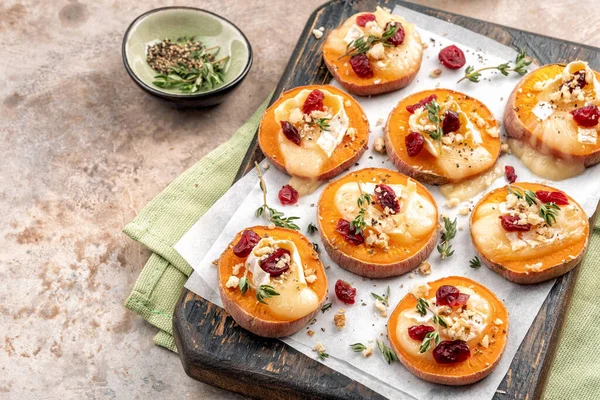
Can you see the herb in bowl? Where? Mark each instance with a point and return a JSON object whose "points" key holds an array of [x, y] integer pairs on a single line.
{"points": [[186, 65]]}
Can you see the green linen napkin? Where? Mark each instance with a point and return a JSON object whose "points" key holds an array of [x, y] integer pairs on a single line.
{"points": [[171, 214], [574, 373]]}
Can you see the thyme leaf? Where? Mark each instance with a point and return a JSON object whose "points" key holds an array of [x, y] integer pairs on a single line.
{"points": [[520, 67], [388, 354], [444, 248], [365, 43], [311, 228], [358, 347], [322, 355], [426, 343], [549, 211], [358, 224], [325, 307], [433, 110], [384, 299], [475, 262], [275, 217]]}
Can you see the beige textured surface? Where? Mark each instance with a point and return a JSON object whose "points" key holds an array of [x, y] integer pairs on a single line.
{"points": [[82, 148]]}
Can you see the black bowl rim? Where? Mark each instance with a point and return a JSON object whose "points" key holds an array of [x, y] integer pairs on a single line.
{"points": [[196, 96]]}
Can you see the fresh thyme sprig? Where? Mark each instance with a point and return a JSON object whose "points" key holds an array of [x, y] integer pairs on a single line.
{"points": [[388, 354], [311, 228], [549, 211], [433, 109], [322, 123], [358, 347], [521, 63], [444, 248], [358, 224], [475, 262], [365, 43], [423, 307], [384, 299], [322, 355], [262, 292], [426, 343], [272, 215], [325, 307]]}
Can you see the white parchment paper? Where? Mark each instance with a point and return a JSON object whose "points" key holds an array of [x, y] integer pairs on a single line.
{"points": [[210, 235]]}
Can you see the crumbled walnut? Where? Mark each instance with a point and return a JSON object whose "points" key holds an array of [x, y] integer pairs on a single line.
{"points": [[368, 351], [381, 307], [464, 210], [425, 268], [233, 282], [453, 202], [317, 33], [379, 145], [435, 73], [340, 319], [319, 347], [504, 148], [310, 333]]}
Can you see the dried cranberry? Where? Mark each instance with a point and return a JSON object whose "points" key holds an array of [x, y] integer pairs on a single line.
{"points": [[451, 351], [247, 242], [555, 197], [290, 132], [288, 195], [345, 292], [579, 82], [414, 142], [587, 116], [271, 264], [509, 171], [362, 19], [448, 295], [450, 123], [386, 197], [452, 57], [313, 102], [360, 66], [418, 332], [398, 37], [414, 107], [349, 233], [509, 223]]}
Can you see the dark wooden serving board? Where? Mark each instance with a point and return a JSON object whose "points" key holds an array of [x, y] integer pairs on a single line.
{"points": [[213, 349]]}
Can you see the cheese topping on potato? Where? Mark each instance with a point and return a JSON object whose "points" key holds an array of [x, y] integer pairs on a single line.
{"points": [[575, 87], [320, 132], [295, 299], [416, 219], [500, 245], [456, 153], [464, 323]]}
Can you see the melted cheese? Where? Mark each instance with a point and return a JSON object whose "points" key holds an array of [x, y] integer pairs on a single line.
{"points": [[308, 159], [472, 187], [295, 298], [468, 326], [455, 158], [545, 165], [304, 186], [415, 219], [498, 245]]}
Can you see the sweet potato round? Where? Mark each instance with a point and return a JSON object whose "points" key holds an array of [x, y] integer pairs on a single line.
{"points": [[245, 309], [559, 262], [357, 259], [383, 81], [422, 167], [479, 365], [345, 154], [520, 123]]}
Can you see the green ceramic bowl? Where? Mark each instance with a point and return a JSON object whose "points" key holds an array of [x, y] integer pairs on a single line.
{"points": [[175, 22]]}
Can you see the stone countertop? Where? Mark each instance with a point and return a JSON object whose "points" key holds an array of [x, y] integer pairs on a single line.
{"points": [[83, 149]]}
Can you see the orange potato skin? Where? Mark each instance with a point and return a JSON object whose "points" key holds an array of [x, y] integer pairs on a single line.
{"points": [[560, 268], [367, 87], [397, 153], [371, 269], [440, 378], [253, 317], [344, 156], [517, 130]]}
